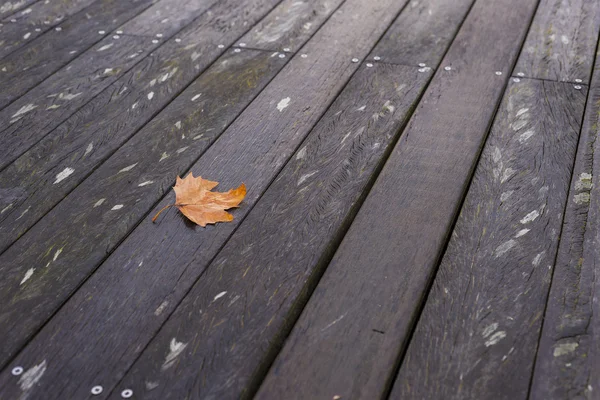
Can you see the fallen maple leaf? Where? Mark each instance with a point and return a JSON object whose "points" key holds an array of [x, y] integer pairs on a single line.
{"points": [[193, 197]]}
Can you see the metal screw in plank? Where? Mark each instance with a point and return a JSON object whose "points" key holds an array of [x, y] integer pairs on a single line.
{"points": [[127, 393], [16, 371], [96, 390]]}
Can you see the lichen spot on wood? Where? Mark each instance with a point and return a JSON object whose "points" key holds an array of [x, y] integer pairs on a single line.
{"points": [[505, 247], [581, 198], [584, 182], [64, 174], [117, 207], [175, 349], [565, 348], [283, 104], [495, 338], [532, 216], [32, 376]]}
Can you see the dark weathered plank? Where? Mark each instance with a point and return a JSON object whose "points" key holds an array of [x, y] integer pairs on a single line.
{"points": [[477, 335], [29, 66], [44, 174], [9, 7], [567, 359], [259, 141], [43, 108], [562, 40], [350, 335], [182, 131], [421, 34], [21, 28], [86, 252], [289, 27], [232, 318]]}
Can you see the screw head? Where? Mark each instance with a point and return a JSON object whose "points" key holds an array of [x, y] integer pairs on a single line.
{"points": [[520, 74], [498, 73], [369, 65], [127, 393], [178, 40], [101, 32], [242, 44], [448, 68], [578, 80], [516, 80], [281, 55], [116, 36], [154, 41], [58, 29], [376, 58], [424, 69], [422, 65], [303, 55], [16, 371], [96, 390], [577, 87], [355, 60], [221, 46], [119, 32], [159, 35], [287, 49], [236, 50]]}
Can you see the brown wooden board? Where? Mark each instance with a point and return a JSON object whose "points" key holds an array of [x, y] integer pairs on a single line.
{"points": [[422, 33], [29, 66], [33, 182], [260, 140], [9, 7], [43, 108], [289, 27], [233, 317], [567, 359], [349, 337], [477, 335], [23, 27], [182, 131], [561, 42]]}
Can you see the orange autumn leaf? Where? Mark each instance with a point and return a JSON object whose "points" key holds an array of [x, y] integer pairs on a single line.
{"points": [[193, 197]]}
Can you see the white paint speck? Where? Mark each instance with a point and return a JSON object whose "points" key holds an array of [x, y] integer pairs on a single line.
{"points": [[196, 97], [32, 376], [178, 124], [105, 47], [532, 216], [99, 203], [164, 156], [150, 95], [504, 247], [564, 39], [128, 168], [565, 348], [301, 153], [23, 110], [57, 254], [504, 196], [175, 349], [361, 108], [181, 150], [537, 259], [522, 111], [495, 338], [283, 104], [27, 35], [28, 275], [491, 328], [146, 183], [217, 297], [305, 177], [522, 232], [161, 308], [89, 149], [117, 207], [526, 135], [63, 175]]}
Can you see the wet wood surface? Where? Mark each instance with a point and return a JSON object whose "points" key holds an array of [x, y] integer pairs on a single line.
{"points": [[387, 246]]}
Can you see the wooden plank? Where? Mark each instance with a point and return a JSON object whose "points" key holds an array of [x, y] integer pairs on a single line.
{"points": [[40, 110], [21, 28], [562, 40], [263, 268], [349, 337], [32, 182], [278, 128], [567, 358], [55, 50], [422, 33], [29, 66], [229, 85], [477, 335], [9, 7], [289, 27], [88, 251]]}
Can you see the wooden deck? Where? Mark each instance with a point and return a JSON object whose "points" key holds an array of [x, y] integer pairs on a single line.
{"points": [[423, 207]]}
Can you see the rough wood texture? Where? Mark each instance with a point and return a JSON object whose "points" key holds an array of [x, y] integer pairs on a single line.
{"points": [[477, 335], [349, 337], [45, 107], [567, 360], [9, 7], [561, 42], [34, 182], [21, 28], [422, 32], [102, 126], [264, 267], [29, 66], [182, 131], [290, 26], [32, 116]]}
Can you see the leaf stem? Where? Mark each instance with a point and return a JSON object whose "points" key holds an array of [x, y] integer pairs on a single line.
{"points": [[161, 210]]}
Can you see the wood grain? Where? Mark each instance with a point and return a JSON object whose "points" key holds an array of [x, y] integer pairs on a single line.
{"points": [[101, 350], [477, 335], [263, 269], [102, 127], [562, 40], [349, 337], [290, 26], [422, 33], [567, 359], [39, 59], [21, 28]]}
